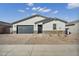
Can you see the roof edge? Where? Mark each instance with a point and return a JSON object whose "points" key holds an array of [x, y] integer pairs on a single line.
{"points": [[39, 16], [28, 18], [5, 23]]}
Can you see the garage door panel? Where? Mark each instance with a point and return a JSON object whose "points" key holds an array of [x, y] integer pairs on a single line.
{"points": [[25, 29]]}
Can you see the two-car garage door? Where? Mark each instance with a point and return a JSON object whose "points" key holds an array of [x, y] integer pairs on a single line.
{"points": [[22, 29]]}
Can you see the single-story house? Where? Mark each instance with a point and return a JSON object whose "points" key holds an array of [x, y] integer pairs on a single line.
{"points": [[73, 27], [38, 24], [4, 27]]}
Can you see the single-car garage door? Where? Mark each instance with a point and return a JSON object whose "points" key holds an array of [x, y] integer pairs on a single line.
{"points": [[22, 29]]}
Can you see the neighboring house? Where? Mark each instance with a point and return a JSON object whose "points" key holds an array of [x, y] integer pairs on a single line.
{"points": [[73, 27], [38, 24], [4, 27]]}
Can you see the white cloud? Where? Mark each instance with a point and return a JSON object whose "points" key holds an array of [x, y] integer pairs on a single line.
{"points": [[44, 9], [35, 8], [73, 5], [22, 11], [30, 4], [55, 12], [67, 18], [27, 8], [34, 13], [39, 9]]}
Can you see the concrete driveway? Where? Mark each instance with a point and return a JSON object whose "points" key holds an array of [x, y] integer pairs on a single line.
{"points": [[38, 45], [39, 50]]}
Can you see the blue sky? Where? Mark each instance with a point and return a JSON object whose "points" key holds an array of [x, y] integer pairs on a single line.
{"points": [[10, 12]]}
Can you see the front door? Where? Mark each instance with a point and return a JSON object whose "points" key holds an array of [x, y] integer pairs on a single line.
{"points": [[39, 28], [66, 30]]}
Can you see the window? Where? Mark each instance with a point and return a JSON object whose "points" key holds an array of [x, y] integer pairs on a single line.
{"points": [[54, 26]]}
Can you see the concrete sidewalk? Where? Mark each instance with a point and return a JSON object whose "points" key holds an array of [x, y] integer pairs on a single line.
{"points": [[39, 50]]}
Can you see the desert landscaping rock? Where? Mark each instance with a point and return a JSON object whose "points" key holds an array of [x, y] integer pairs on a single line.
{"points": [[38, 39], [38, 45]]}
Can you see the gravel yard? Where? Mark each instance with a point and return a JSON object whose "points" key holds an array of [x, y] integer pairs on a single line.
{"points": [[38, 45], [38, 39]]}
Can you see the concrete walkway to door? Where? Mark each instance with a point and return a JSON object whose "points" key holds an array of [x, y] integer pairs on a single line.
{"points": [[39, 50]]}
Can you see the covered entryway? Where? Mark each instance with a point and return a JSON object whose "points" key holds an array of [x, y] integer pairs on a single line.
{"points": [[66, 30], [39, 28], [23, 29]]}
